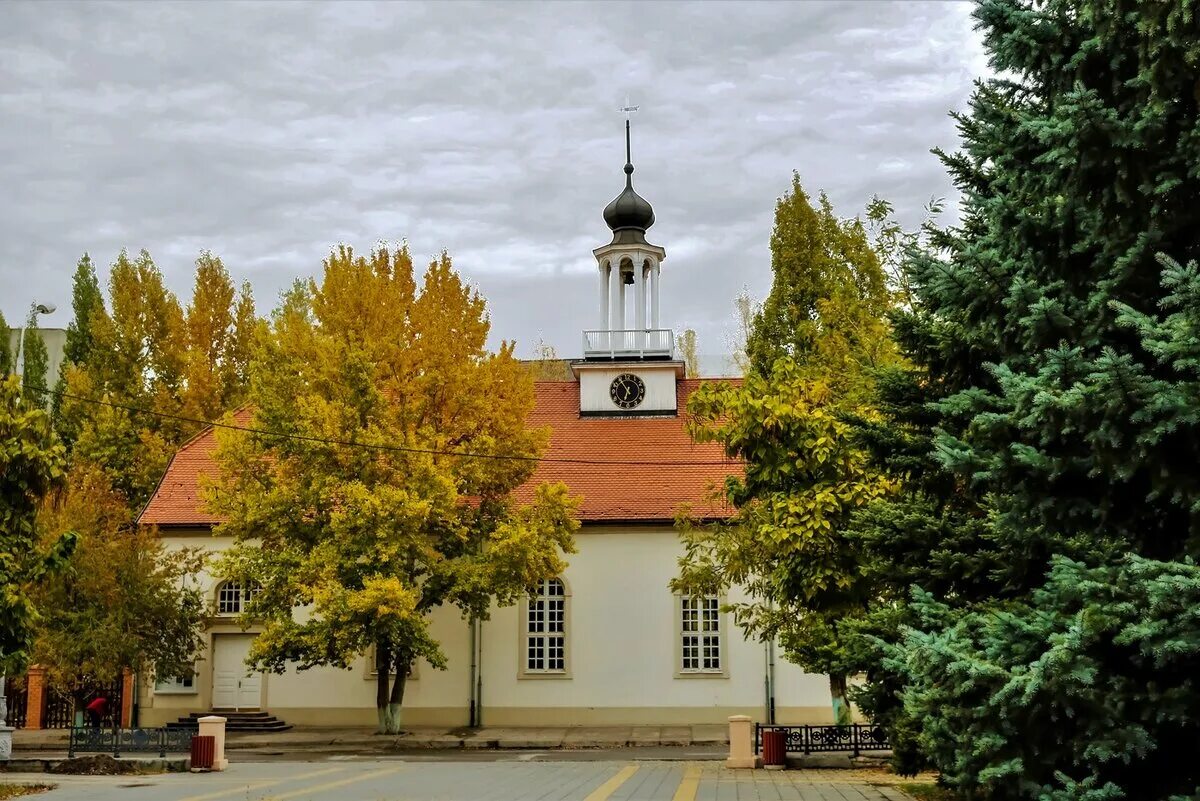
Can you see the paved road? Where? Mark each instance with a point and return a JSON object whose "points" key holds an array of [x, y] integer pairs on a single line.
{"points": [[651, 753], [406, 780]]}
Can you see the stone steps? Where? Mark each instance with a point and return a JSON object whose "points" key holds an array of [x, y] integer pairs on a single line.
{"points": [[261, 722]]}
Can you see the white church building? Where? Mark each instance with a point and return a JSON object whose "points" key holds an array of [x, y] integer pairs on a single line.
{"points": [[607, 642]]}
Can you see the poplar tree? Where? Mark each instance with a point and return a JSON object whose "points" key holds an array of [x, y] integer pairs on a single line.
{"points": [[137, 361], [220, 326], [811, 354], [35, 364], [87, 302], [6, 354], [1054, 399]]}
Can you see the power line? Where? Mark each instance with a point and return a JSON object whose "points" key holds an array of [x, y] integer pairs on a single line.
{"points": [[393, 448]]}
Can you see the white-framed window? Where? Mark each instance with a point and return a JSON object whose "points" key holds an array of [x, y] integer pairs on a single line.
{"points": [[233, 597], [700, 635], [372, 671], [175, 686], [545, 629]]}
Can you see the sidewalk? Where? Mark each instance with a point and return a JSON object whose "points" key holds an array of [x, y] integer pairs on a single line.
{"points": [[364, 740]]}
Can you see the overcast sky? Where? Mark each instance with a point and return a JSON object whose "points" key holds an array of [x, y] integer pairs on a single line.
{"points": [[268, 132]]}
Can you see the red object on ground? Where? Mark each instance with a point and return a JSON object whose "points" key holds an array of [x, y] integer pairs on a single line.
{"points": [[202, 752], [774, 748]]}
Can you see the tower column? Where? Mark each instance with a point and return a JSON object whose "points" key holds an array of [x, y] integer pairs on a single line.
{"points": [[621, 307], [654, 293], [604, 285], [614, 295], [640, 282]]}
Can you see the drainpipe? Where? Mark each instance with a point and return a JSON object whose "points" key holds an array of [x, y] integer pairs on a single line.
{"points": [[771, 681], [471, 682], [479, 678]]}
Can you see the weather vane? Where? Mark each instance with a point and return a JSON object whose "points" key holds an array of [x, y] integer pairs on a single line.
{"points": [[628, 109]]}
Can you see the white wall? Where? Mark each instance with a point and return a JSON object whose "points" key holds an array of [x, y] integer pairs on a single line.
{"points": [[594, 384], [622, 623], [622, 653]]}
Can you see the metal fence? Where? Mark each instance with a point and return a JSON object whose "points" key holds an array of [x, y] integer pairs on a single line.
{"points": [[86, 739], [855, 738], [60, 705], [18, 701]]}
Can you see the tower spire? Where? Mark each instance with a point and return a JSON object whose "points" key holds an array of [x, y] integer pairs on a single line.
{"points": [[628, 157], [629, 110]]}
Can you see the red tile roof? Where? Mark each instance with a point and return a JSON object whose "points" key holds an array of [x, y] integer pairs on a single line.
{"points": [[642, 491]]}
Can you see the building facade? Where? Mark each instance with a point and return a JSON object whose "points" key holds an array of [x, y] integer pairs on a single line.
{"points": [[605, 643]]}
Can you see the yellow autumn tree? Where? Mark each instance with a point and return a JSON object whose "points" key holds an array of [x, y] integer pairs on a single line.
{"points": [[357, 515], [219, 327]]}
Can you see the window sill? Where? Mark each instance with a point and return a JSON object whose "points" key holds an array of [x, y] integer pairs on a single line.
{"points": [[702, 674], [176, 691], [542, 676]]}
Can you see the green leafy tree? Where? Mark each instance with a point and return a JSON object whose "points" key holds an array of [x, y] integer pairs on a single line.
{"points": [[122, 600], [829, 294], [6, 355], [87, 301], [811, 355], [1055, 419], [785, 549], [370, 539], [31, 466], [35, 364]]}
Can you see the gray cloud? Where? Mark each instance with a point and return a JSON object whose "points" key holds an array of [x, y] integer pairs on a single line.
{"points": [[269, 132]]}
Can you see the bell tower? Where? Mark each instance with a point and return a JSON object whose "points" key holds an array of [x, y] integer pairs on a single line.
{"points": [[629, 365]]}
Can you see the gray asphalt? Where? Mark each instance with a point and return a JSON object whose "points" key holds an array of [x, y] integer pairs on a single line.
{"points": [[633, 754], [404, 779]]}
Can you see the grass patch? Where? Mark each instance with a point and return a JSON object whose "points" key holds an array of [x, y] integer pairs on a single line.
{"points": [[14, 790], [928, 791]]}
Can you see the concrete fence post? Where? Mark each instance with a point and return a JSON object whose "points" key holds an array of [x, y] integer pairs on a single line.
{"points": [[741, 743], [214, 726]]}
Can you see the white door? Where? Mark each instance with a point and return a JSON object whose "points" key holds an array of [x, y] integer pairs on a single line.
{"points": [[234, 685]]}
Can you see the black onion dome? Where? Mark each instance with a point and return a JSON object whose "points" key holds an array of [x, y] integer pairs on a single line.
{"points": [[629, 209]]}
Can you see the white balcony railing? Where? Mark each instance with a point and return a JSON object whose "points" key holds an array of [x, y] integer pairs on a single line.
{"points": [[651, 343]]}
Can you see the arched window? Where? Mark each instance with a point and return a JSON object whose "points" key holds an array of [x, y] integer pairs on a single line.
{"points": [[233, 596], [545, 629]]}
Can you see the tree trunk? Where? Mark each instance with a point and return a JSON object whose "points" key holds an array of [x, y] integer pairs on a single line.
{"points": [[382, 662], [841, 704], [396, 700]]}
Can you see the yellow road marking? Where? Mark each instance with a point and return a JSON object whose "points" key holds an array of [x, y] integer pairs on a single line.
{"points": [[318, 788], [256, 785], [609, 787], [686, 791]]}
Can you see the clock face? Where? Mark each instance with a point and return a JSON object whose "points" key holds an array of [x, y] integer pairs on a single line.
{"points": [[627, 391]]}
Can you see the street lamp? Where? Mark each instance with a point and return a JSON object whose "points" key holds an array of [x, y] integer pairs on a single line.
{"points": [[6, 731], [34, 310]]}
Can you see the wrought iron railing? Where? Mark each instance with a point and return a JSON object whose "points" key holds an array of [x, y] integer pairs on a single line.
{"points": [[856, 737], [656, 343], [88, 739], [61, 705]]}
